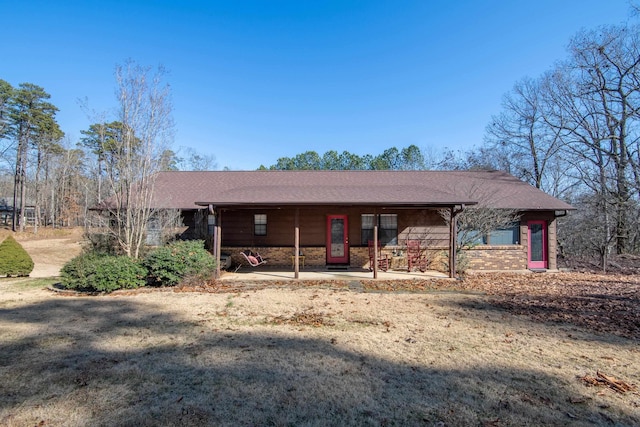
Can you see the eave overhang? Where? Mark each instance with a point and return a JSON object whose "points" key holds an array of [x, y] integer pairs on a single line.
{"points": [[395, 205]]}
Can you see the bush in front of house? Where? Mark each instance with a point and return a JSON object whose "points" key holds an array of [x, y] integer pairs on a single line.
{"points": [[170, 264], [14, 260], [102, 273]]}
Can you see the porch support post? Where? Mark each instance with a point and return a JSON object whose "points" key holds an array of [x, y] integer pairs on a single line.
{"points": [[375, 246], [452, 243], [297, 244], [217, 241], [453, 239]]}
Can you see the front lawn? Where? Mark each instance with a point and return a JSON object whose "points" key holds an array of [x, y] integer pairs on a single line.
{"points": [[498, 351]]}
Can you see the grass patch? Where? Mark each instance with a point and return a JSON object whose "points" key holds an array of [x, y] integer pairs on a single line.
{"points": [[26, 283]]}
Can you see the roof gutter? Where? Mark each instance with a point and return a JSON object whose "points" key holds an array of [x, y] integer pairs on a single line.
{"points": [[381, 204]]}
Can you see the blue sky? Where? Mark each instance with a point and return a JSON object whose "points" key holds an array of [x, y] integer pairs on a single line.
{"points": [[253, 81]]}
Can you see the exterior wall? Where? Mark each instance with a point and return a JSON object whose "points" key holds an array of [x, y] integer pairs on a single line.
{"points": [[505, 258], [424, 224], [515, 257], [552, 238], [280, 256], [237, 226], [195, 223]]}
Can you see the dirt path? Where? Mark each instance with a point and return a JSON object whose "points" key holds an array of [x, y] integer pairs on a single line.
{"points": [[50, 254]]}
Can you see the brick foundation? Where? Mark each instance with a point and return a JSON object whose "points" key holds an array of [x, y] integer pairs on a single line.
{"points": [[502, 258], [313, 257], [506, 258]]}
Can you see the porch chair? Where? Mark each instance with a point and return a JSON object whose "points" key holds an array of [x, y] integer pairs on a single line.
{"points": [[416, 256], [383, 259], [253, 258]]}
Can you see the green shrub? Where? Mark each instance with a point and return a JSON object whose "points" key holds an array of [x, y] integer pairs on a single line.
{"points": [[101, 243], [14, 260], [102, 273], [169, 264], [75, 273]]}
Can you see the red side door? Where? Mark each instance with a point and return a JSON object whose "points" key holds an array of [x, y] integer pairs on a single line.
{"points": [[337, 239], [537, 249]]}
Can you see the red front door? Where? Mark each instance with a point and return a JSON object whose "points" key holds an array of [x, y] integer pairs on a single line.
{"points": [[337, 240], [537, 244]]}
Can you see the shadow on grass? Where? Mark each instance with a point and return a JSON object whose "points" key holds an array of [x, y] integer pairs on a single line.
{"points": [[123, 362]]}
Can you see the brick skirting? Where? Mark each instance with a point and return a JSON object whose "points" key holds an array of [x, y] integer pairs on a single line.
{"points": [[502, 258], [506, 258]]}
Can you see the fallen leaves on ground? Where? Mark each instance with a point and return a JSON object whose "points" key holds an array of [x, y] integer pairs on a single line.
{"points": [[303, 319], [602, 303]]}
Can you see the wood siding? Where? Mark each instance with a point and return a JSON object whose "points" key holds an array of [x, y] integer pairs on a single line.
{"points": [[237, 226]]}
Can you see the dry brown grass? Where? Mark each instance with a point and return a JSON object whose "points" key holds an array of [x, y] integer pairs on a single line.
{"points": [[319, 355]]}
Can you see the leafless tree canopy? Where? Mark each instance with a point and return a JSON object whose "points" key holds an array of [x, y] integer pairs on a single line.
{"points": [[573, 132], [134, 146]]}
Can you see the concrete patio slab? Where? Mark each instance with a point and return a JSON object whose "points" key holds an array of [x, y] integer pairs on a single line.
{"points": [[282, 273]]}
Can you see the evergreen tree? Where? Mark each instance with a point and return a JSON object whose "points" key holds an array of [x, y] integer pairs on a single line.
{"points": [[14, 260]]}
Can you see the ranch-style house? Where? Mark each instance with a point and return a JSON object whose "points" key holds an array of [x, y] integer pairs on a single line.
{"points": [[329, 218]]}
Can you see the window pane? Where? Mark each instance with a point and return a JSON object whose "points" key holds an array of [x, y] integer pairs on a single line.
{"points": [[388, 229], [388, 237], [366, 236], [260, 224], [471, 237], [505, 236], [367, 221], [389, 221], [366, 231], [536, 242]]}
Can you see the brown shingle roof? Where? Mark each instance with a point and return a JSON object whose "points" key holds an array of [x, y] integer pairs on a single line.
{"points": [[389, 188]]}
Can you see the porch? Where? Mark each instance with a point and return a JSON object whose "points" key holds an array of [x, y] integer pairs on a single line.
{"points": [[324, 273]]}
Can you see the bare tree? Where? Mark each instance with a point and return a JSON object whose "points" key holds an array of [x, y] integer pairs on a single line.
{"points": [[195, 161], [522, 135], [574, 133], [595, 102], [144, 114]]}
